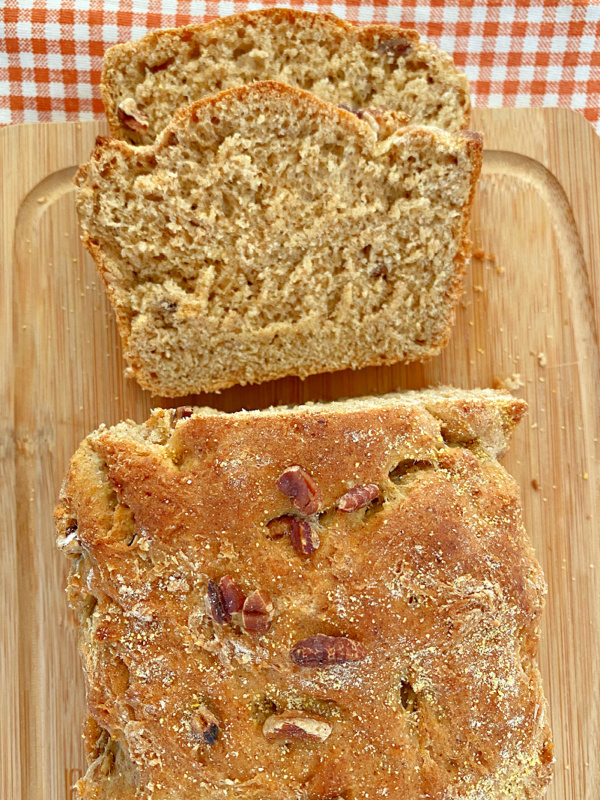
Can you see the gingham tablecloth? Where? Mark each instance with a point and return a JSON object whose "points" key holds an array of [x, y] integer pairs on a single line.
{"points": [[539, 53]]}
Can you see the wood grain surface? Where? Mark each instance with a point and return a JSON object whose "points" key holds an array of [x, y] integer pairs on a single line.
{"points": [[531, 307]]}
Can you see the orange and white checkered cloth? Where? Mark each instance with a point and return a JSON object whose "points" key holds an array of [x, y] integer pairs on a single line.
{"points": [[519, 53]]}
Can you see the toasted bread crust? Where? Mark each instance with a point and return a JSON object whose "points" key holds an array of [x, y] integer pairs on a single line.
{"points": [[434, 584]]}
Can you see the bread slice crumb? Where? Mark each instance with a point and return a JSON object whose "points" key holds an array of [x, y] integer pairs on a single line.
{"points": [[268, 233]]}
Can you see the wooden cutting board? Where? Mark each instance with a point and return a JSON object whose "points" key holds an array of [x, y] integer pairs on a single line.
{"points": [[531, 306]]}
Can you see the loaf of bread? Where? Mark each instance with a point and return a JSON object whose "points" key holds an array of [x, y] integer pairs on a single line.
{"points": [[145, 82], [328, 601], [268, 233]]}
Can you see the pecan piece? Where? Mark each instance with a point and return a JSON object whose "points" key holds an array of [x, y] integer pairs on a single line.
{"points": [[304, 540], [321, 650], [291, 726], [233, 596], [397, 46], [182, 412], [204, 725], [257, 613], [132, 117], [296, 483], [380, 271], [358, 497], [216, 604], [369, 115], [69, 542]]}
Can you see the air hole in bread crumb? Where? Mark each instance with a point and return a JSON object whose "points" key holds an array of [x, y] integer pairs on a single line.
{"points": [[123, 525], [409, 699], [408, 467], [88, 605], [374, 507], [163, 65], [328, 709], [451, 440], [108, 168], [262, 707], [279, 527], [413, 600], [105, 750], [119, 676], [242, 49], [345, 795]]}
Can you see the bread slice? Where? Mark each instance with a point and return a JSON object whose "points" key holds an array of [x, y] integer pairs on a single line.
{"points": [[269, 233], [145, 82], [327, 601]]}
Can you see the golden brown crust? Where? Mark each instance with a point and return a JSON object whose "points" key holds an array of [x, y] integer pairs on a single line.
{"points": [[434, 584], [251, 361], [122, 61]]}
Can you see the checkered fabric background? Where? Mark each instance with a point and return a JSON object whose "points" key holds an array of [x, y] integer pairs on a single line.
{"points": [[538, 53]]}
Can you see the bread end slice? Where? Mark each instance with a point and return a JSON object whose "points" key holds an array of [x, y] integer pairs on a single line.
{"points": [[145, 82]]}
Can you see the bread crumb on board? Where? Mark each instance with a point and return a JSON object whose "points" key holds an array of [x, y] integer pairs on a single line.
{"points": [[482, 255], [479, 254], [511, 383]]}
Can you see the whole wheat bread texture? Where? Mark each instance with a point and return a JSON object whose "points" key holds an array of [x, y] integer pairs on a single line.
{"points": [[268, 233], [328, 601], [145, 82]]}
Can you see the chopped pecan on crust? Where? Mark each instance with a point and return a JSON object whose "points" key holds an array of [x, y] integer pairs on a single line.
{"points": [[291, 726], [216, 604], [358, 497], [204, 725], [182, 412], [297, 484], [69, 542], [321, 650], [304, 540], [233, 596], [257, 613], [132, 117]]}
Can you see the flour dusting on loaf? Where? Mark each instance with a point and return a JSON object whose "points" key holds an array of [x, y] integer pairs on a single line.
{"points": [[393, 658]]}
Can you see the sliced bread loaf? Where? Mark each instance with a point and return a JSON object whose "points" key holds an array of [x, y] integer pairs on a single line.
{"points": [[144, 82], [269, 233]]}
